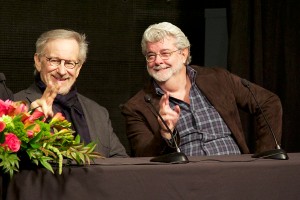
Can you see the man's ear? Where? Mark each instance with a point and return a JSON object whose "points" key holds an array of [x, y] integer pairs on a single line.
{"points": [[185, 53]]}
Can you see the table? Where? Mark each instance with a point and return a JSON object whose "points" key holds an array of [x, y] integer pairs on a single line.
{"points": [[215, 177]]}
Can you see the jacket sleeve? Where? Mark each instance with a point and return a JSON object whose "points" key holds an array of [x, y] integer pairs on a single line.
{"points": [[266, 109], [101, 130], [142, 128]]}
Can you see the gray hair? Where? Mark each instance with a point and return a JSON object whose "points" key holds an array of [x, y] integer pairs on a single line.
{"points": [[63, 34], [157, 32]]}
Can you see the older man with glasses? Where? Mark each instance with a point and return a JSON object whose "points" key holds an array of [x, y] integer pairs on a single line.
{"points": [[199, 105], [59, 57]]}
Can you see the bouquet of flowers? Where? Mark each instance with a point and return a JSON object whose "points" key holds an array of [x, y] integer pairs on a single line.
{"points": [[24, 132]]}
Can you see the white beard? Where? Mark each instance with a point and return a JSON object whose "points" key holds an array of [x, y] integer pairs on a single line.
{"points": [[163, 75]]}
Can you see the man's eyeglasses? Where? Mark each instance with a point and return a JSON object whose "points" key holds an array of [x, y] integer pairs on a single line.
{"points": [[165, 55], [69, 64]]}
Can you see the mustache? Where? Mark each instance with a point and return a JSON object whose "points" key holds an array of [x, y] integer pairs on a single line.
{"points": [[159, 67]]}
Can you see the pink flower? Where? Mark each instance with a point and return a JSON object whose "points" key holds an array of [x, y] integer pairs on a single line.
{"points": [[11, 108], [30, 133], [3, 108], [18, 107], [34, 128], [11, 142]]}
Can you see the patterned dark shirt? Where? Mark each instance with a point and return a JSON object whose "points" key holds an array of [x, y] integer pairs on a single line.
{"points": [[202, 130]]}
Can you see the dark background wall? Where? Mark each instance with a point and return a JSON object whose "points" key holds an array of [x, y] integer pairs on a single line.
{"points": [[115, 68]]}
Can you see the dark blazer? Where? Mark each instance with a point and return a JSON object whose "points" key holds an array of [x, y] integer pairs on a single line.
{"points": [[97, 117], [226, 93]]}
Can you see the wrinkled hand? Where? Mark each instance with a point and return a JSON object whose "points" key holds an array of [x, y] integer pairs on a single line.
{"points": [[44, 104], [171, 116]]}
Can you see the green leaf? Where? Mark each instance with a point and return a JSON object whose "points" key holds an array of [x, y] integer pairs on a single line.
{"points": [[9, 162], [36, 138], [44, 161], [35, 145]]}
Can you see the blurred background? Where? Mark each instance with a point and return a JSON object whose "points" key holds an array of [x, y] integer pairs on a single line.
{"points": [[255, 39]]}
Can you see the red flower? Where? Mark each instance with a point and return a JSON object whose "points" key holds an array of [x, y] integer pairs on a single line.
{"points": [[17, 108], [11, 108], [34, 116], [33, 129], [30, 133], [11, 142], [2, 126], [57, 117], [3, 107]]}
